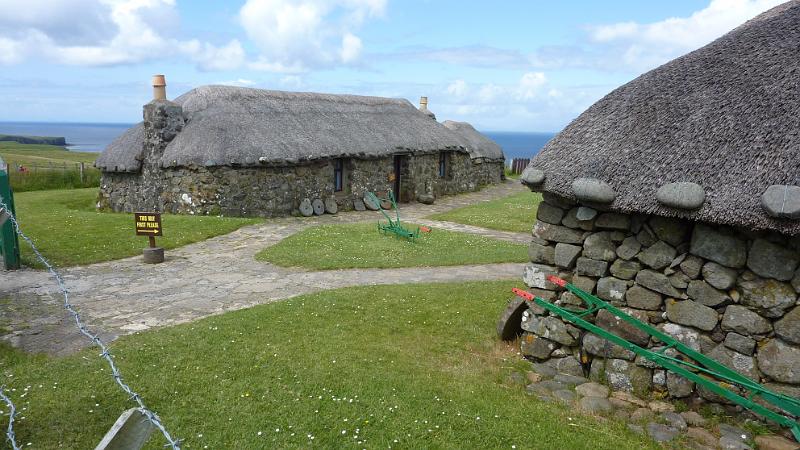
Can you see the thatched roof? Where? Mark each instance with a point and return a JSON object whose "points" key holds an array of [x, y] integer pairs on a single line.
{"points": [[477, 144], [228, 125], [724, 117]]}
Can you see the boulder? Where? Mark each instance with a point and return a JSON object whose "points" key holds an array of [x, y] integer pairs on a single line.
{"points": [[536, 347], [744, 364], [306, 209], [566, 255], [543, 254], [678, 386], [600, 246], [693, 314], [600, 347], [557, 233], [629, 248], [703, 437], [719, 276], [694, 419], [774, 442], [658, 255], [552, 328], [739, 343], [641, 298], [656, 282], [772, 260], [625, 270], [782, 201], [584, 283], [646, 237], [687, 336], [679, 280], [592, 389], [670, 230], [780, 361], [549, 213], [593, 190], [769, 297], [674, 420], [742, 320], [691, 266], [584, 213], [371, 204], [535, 276], [704, 293], [611, 289], [571, 220], [608, 321], [788, 328], [624, 375], [661, 433], [532, 177], [613, 221], [681, 195], [508, 327], [595, 405], [718, 245], [359, 205], [591, 267]]}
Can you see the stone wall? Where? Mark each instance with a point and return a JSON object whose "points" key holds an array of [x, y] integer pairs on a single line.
{"points": [[278, 191], [731, 294]]}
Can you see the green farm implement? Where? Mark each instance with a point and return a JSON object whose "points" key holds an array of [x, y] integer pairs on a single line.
{"points": [[393, 226], [688, 363]]}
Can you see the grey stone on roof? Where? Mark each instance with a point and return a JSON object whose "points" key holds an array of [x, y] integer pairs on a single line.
{"points": [[723, 116], [476, 143], [227, 125]]}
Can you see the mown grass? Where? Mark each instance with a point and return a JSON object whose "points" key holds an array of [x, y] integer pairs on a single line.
{"points": [[513, 213], [410, 366], [69, 231], [361, 245], [47, 167]]}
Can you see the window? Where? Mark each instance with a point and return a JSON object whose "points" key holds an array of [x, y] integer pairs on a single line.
{"points": [[443, 156], [338, 175]]}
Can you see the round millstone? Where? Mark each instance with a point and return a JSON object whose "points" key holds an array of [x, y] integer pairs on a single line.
{"points": [[305, 208], [153, 255], [330, 206], [532, 177], [593, 190], [681, 195], [359, 205], [782, 201], [319, 206], [370, 204]]}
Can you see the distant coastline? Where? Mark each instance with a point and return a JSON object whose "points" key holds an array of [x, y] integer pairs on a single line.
{"points": [[45, 140], [94, 137]]}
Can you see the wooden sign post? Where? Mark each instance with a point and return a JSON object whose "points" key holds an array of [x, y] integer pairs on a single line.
{"points": [[149, 224]]}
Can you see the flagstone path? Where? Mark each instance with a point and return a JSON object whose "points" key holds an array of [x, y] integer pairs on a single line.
{"points": [[211, 277]]}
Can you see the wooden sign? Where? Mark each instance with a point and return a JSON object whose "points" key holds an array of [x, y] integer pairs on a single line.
{"points": [[130, 432], [147, 224]]}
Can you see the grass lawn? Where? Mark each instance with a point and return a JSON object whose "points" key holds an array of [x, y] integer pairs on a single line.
{"points": [[48, 167], [513, 213], [68, 230], [360, 245], [410, 366]]}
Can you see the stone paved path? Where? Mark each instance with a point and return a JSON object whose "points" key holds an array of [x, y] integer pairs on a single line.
{"points": [[212, 277]]}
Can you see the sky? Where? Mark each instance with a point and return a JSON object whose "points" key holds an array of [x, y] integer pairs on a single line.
{"points": [[509, 65]]}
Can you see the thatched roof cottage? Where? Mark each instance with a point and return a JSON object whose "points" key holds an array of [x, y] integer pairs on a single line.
{"points": [[242, 151], [677, 196]]}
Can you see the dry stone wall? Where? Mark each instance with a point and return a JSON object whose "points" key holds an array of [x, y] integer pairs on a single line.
{"points": [[278, 191], [731, 294]]}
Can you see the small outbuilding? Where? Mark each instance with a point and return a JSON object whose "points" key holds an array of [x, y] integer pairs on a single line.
{"points": [[252, 152], [677, 198]]}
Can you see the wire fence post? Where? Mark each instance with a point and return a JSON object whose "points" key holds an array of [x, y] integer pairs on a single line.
{"points": [[12, 412]]}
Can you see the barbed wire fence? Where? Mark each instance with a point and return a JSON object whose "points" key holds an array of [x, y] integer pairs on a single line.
{"points": [[12, 412], [105, 353]]}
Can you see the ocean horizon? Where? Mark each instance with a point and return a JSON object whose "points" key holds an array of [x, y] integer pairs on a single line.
{"points": [[94, 137]]}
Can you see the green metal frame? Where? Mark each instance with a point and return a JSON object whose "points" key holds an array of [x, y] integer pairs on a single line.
{"points": [[698, 371], [392, 226], [9, 242]]}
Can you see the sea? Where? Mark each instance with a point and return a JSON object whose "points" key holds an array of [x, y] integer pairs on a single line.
{"points": [[94, 137]]}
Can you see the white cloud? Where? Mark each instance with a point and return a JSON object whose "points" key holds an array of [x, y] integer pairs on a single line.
{"points": [[643, 46], [530, 85], [239, 82], [293, 36], [457, 88], [108, 32]]}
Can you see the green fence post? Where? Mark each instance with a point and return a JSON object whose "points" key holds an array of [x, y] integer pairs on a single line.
{"points": [[9, 243]]}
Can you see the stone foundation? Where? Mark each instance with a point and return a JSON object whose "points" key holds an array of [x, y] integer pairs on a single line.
{"points": [[730, 294], [278, 191]]}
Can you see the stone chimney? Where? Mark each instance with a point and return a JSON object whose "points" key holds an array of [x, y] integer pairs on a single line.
{"points": [[423, 106], [163, 120]]}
